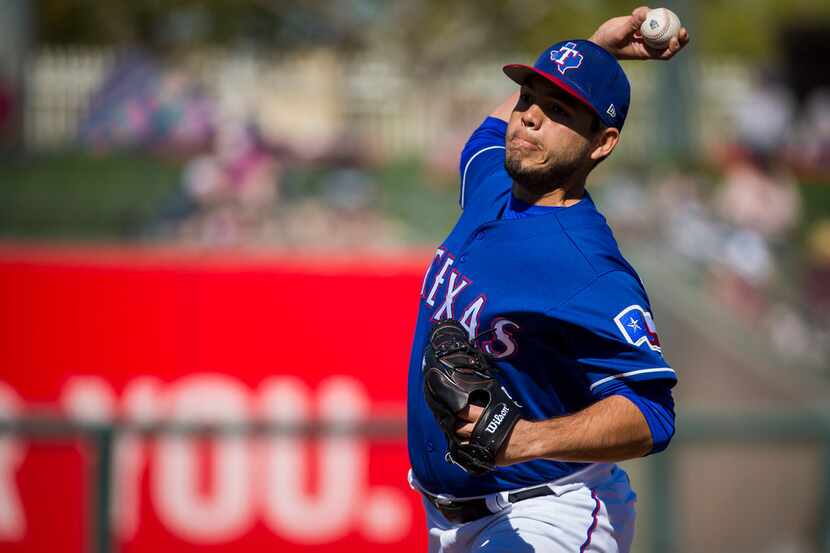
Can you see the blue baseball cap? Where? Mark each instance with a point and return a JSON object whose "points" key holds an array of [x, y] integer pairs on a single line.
{"points": [[585, 71]]}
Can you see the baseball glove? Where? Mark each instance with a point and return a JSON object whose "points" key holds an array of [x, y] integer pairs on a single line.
{"points": [[457, 373]]}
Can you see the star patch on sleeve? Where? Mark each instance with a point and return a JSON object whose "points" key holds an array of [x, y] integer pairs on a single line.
{"points": [[637, 327]]}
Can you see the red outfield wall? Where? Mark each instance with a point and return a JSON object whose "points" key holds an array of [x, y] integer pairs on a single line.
{"points": [[153, 335]]}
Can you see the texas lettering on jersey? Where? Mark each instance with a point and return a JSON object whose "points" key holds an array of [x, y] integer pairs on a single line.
{"points": [[440, 291]]}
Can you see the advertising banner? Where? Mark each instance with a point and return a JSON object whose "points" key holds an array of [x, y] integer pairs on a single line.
{"points": [[153, 336]]}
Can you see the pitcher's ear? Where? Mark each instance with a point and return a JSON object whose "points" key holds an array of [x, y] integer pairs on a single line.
{"points": [[605, 142]]}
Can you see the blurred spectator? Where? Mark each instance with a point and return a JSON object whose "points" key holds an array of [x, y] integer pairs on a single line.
{"points": [[789, 333], [818, 273], [811, 153], [686, 221], [142, 104], [10, 132], [625, 202], [764, 118], [741, 273], [233, 190], [759, 194], [745, 253], [6, 106]]}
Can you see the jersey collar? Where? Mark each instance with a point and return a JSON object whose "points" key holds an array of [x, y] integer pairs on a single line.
{"points": [[579, 214]]}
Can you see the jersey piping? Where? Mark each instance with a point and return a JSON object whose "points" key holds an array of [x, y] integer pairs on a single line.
{"points": [[631, 373], [467, 166]]}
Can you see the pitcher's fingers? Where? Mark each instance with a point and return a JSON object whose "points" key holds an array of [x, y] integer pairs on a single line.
{"points": [[640, 13], [470, 413], [465, 431], [674, 47], [638, 16]]}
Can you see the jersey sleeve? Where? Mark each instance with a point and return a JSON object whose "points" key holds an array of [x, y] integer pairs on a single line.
{"points": [[610, 331], [482, 156], [655, 402]]}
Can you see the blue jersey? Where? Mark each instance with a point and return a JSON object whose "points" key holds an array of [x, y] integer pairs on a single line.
{"points": [[568, 317]]}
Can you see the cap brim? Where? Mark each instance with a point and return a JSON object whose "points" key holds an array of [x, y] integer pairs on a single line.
{"points": [[520, 73]]}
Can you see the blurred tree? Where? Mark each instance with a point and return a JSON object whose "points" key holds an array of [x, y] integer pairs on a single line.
{"points": [[751, 28], [433, 29], [283, 23], [438, 32]]}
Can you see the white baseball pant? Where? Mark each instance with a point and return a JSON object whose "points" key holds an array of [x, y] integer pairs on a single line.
{"points": [[590, 511]]}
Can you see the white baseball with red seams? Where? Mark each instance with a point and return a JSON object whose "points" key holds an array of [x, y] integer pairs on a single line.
{"points": [[660, 26]]}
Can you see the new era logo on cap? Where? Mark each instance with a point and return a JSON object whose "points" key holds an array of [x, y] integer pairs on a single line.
{"points": [[612, 111]]}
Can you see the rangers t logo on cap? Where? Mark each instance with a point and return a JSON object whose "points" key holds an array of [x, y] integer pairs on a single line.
{"points": [[566, 57]]}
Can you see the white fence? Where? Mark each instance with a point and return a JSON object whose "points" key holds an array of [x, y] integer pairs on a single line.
{"points": [[316, 98], [59, 85]]}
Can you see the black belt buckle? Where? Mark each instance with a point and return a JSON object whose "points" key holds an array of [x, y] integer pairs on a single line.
{"points": [[462, 511], [467, 510]]}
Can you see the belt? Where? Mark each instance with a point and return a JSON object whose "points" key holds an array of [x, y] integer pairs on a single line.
{"points": [[459, 511]]}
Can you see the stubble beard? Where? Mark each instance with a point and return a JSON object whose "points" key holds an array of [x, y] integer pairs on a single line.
{"points": [[542, 180]]}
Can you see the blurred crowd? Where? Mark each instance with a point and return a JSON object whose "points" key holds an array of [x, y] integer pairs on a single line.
{"points": [[740, 223], [237, 187]]}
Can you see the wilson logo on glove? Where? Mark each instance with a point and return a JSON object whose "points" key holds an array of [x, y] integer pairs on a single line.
{"points": [[497, 418]]}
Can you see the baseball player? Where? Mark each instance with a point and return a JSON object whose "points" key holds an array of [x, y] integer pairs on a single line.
{"points": [[536, 364]]}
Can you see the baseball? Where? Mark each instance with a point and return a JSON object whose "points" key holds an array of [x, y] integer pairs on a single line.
{"points": [[660, 26]]}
